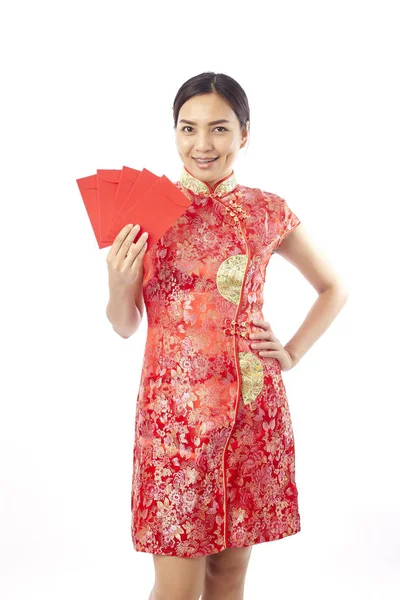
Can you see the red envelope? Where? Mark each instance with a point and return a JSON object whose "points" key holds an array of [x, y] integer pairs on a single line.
{"points": [[155, 203], [156, 210], [143, 183], [88, 189], [102, 194], [107, 184], [126, 183]]}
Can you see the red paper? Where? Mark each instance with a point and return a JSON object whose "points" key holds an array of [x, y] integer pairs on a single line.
{"points": [[88, 189], [113, 198], [126, 182], [155, 211], [143, 183], [107, 184]]}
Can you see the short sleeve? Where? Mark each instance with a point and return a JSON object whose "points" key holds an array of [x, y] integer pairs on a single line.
{"points": [[287, 220]]}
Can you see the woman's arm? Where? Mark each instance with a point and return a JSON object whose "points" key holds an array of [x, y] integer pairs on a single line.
{"points": [[125, 308], [298, 248]]}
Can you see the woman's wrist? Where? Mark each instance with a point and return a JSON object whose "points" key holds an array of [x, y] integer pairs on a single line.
{"points": [[293, 356]]}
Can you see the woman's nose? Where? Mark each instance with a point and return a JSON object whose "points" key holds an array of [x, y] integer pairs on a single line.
{"points": [[202, 145]]}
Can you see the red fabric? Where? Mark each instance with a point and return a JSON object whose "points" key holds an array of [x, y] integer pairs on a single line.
{"points": [[214, 456]]}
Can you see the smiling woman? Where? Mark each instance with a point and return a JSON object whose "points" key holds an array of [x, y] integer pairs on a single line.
{"points": [[214, 458], [209, 127]]}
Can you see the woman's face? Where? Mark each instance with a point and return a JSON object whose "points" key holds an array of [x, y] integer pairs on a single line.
{"points": [[200, 139]]}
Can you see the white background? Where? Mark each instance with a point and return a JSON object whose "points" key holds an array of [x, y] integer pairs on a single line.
{"points": [[90, 85]]}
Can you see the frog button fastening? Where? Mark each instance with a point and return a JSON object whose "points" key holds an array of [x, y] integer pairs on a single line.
{"points": [[232, 327], [233, 209], [239, 215], [236, 206]]}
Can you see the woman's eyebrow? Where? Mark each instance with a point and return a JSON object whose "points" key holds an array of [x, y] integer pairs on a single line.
{"points": [[210, 123]]}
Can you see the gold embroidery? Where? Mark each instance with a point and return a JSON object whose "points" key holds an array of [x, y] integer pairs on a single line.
{"points": [[199, 187], [230, 276], [252, 372]]}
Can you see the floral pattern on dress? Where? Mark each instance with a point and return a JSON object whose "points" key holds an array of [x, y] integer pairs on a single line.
{"points": [[213, 458]]}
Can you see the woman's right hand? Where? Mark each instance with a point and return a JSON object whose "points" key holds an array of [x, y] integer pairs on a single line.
{"points": [[125, 259]]}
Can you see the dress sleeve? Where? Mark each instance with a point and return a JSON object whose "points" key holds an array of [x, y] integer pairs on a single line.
{"points": [[287, 220]]}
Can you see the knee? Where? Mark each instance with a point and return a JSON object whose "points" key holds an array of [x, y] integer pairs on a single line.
{"points": [[227, 571], [230, 565]]}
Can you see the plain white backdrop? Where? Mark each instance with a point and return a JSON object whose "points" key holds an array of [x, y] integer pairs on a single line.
{"points": [[90, 85]]}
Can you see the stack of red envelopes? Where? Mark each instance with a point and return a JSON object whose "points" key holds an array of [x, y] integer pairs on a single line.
{"points": [[114, 197]]}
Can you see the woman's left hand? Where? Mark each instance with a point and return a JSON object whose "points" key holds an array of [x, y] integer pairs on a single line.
{"points": [[272, 346]]}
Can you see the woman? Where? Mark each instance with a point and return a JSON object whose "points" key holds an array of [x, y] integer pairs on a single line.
{"points": [[214, 462]]}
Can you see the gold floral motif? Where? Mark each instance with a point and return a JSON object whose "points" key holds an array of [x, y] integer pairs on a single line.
{"points": [[199, 187], [252, 371], [230, 276]]}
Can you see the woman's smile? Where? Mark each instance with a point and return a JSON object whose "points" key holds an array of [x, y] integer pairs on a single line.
{"points": [[205, 165]]}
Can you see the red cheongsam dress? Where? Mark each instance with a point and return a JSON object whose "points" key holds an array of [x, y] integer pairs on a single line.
{"points": [[214, 456]]}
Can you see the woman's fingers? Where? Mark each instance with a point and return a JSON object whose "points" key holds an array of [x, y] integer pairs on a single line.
{"points": [[137, 250], [129, 240], [270, 341], [118, 242], [123, 242], [263, 335], [125, 259]]}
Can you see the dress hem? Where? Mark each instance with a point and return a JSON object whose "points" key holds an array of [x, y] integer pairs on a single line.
{"points": [[197, 555]]}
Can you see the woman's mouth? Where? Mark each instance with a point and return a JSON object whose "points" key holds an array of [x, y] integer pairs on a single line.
{"points": [[204, 164]]}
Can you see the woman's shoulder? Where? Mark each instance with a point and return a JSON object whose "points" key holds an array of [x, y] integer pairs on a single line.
{"points": [[272, 202]]}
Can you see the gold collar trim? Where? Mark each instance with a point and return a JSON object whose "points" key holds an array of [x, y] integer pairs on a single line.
{"points": [[200, 187]]}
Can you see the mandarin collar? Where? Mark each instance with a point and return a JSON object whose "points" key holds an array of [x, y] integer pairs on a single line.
{"points": [[223, 186]]}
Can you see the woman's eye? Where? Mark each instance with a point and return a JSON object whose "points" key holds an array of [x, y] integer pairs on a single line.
{"points": [[188, 126]]}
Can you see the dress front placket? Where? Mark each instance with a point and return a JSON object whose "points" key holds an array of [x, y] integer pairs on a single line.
{"points": [[236, 215]]}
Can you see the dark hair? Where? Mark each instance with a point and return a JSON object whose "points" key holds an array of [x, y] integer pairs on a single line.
{"points": [[218, 83]]}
